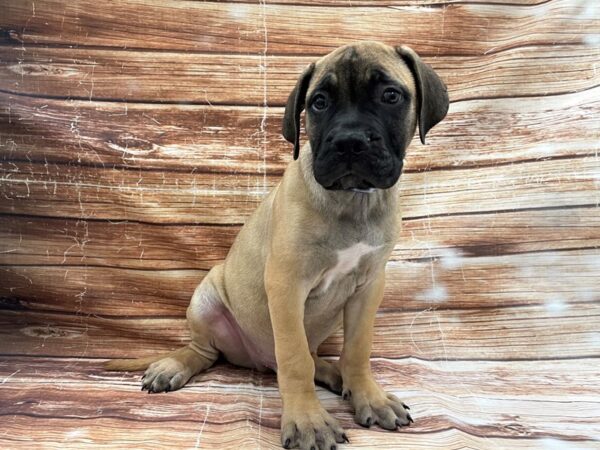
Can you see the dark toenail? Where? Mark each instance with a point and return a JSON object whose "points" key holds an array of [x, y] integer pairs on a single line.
{"points": [[287, 442], [312, 447], [405, 406], [344, 437], [333, 447], [368, 421], [410, 419]]}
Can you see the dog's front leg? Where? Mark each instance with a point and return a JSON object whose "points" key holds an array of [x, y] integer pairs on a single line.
{"points": [[304, 422], [371, 403]]}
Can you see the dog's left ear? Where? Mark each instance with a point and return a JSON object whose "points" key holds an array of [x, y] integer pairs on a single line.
{"points": [[294, 107], [432, 94]]}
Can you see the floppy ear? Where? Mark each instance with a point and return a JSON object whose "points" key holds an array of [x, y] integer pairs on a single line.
{"points": [[293, 108], [432, 95]]}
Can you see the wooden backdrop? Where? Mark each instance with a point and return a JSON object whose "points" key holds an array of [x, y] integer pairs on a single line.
{"points": [[136, 136]]}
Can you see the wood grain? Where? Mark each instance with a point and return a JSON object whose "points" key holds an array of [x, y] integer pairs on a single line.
{"points": [[468, 29], [231, 79], [28, 240], [231, 139], [447, 412], [552, 279], [114, 433], [50, 190], [519, 332]]}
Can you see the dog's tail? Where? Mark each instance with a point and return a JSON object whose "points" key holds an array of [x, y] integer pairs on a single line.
{"points": [[133, 364]]}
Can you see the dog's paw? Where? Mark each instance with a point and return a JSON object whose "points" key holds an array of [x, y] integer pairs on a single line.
{"points": [[373, 406], [312, 428], [165, 375]]}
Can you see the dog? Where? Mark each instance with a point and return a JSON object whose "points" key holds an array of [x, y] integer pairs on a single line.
{"points": [[311, 258]]}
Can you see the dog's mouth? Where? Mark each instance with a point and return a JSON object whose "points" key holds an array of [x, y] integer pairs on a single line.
{"points": [[352, 183]]}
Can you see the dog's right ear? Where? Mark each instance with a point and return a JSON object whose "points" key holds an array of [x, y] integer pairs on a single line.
{"points": [[294, 107]]}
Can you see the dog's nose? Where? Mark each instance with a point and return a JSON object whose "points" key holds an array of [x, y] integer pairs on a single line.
{"points": [[351, 142]]}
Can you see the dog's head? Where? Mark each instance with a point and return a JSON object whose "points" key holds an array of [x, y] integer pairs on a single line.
{"points": [[363, 102]]}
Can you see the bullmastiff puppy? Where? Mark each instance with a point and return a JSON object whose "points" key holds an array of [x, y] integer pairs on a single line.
{"points": [[312, 256]]}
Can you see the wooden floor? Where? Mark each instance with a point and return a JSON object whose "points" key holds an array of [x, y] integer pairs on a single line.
{"points": [[136, 137]]}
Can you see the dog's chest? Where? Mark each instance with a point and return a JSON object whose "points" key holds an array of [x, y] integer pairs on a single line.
{"points": [[347, 261], [351, 267]]}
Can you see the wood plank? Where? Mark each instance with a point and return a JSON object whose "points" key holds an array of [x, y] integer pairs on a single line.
{"points": [[79, 336], [122, 195], [520, 332], [48, 241], [142, 137], [220, 27], [466, 399], [134, 76], [98, 290], [128, 245], [157, 197], [497, 234], [67, 265], [533, 332], [114, 433], [232, 139], [540, 184], [526, 380], [554, 280]]}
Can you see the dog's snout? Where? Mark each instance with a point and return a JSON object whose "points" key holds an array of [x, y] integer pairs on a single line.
{"points": [[373, 137], [354, 142]]}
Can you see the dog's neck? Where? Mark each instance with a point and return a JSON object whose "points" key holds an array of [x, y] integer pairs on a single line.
{"points": [[345, 204]]}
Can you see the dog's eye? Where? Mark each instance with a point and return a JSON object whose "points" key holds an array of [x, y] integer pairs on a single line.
{"points": [[319, 102], [390, 96]]}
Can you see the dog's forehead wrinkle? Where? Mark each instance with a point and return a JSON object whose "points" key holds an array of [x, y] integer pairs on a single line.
{"points": [[362, 64], [378, 73], [328, 81], [350, 55]]}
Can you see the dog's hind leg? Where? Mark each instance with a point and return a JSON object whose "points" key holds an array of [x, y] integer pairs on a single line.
{"points": [[172, 371], [327, 375]]}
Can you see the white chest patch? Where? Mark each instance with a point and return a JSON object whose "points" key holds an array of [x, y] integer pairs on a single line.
{"points": [[347, 260]]}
